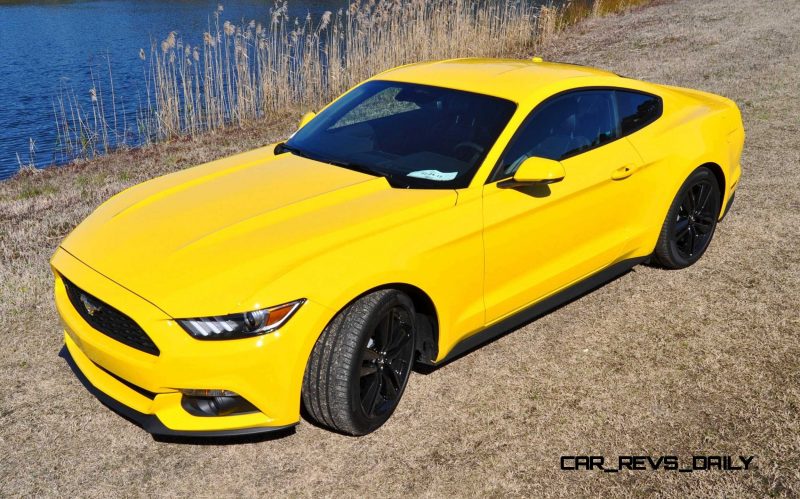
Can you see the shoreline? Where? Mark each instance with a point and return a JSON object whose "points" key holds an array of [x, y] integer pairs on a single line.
{"points": [[184, 108]]}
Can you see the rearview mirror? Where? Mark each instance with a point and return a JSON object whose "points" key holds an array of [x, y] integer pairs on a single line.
{"points": [[536, 171], [306, 118]]}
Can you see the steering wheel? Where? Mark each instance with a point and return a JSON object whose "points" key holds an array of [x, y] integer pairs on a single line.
{"points": [[469, 145]]}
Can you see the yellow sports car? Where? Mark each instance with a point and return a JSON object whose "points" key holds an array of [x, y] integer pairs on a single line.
{"points": [[427, 210]]}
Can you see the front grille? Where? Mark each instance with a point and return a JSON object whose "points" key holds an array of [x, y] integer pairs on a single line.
{"points": [[109, 321]]}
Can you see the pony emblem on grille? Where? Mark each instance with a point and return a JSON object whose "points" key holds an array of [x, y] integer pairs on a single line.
{"points": [[90, 305]]}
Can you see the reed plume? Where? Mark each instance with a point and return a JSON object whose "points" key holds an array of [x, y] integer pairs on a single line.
{"points": [[245, 72]]}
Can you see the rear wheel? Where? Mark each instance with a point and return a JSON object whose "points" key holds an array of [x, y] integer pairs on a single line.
{"points": [[361, 363], [690, 222]]}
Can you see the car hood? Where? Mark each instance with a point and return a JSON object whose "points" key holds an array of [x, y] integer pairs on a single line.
{"points": [[206, 239]]}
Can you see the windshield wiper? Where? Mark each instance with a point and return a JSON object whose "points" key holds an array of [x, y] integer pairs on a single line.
{"points": [[393, 181], [358, 167], [282, 148]]}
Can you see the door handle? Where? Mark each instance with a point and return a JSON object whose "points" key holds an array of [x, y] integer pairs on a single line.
{"points": [[623, 172]]}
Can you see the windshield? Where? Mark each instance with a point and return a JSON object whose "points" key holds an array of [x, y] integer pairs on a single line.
{"points": [[414, 135]]}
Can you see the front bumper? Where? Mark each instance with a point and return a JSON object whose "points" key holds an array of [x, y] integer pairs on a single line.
{"points": [[150, 422], [265, 370]]}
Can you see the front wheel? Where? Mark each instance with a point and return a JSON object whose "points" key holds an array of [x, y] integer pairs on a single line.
{"points": [[690, 222], [361, 363]]}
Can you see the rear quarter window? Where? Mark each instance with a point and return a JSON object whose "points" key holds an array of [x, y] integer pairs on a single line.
{"points": [[637, 110]]}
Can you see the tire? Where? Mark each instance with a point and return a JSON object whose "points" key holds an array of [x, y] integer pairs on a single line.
{"points": [[361, 363], [691, 221]]}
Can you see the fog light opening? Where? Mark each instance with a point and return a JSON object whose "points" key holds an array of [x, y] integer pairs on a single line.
{"points": [[212, 403]]}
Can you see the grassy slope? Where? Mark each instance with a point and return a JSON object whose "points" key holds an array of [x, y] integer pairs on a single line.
{"points": [[703, 360]]}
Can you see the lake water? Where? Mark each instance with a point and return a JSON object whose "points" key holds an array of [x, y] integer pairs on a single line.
{"points": [[51, 44]]}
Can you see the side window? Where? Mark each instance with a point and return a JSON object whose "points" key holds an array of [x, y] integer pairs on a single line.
{"points": [[637, 110], [562, 127]]}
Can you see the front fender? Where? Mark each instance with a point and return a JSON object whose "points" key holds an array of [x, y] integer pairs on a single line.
{"points": [[441, 254]]}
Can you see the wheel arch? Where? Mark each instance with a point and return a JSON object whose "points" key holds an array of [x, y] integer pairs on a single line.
{"points": [[719, 175], [427, 342]]}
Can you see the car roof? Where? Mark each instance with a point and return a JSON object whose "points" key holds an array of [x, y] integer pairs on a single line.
{"points": [[507, 78]]}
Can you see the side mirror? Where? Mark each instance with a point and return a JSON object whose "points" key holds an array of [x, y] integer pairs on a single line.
{"points": [[534, 171], [306, 118]]}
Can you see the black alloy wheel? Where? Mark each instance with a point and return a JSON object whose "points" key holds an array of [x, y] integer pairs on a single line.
{"points": [[386, 362], [361, 363], [695, 222], [691, 221]]}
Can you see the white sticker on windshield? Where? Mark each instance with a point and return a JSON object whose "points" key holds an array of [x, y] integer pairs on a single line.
{"points": [[434, 175]]}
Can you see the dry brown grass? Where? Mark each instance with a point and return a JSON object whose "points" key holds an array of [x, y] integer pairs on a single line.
{"points": [[703, 360]]}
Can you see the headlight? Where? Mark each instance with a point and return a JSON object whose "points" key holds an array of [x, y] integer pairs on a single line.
{"points": [[243, 325]]}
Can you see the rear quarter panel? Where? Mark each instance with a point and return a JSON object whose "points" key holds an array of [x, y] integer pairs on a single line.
{"points": [[695, 128]]}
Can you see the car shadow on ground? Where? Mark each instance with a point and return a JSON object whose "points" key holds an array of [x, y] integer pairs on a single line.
{"points": [[419, 368], [425, 369]]}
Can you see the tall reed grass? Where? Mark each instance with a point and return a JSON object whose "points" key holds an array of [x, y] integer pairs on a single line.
{"points": [[245, 72]]}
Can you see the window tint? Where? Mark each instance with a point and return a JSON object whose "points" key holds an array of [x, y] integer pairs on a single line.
{"points": [[564, 126], [416, 136], [380, 105], [636, 110]]}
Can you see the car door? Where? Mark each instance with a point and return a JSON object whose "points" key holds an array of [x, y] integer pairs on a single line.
{"points": [[542, 238]]}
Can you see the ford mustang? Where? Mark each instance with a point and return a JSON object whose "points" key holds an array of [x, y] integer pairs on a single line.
{"points": [[427, 210]]}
